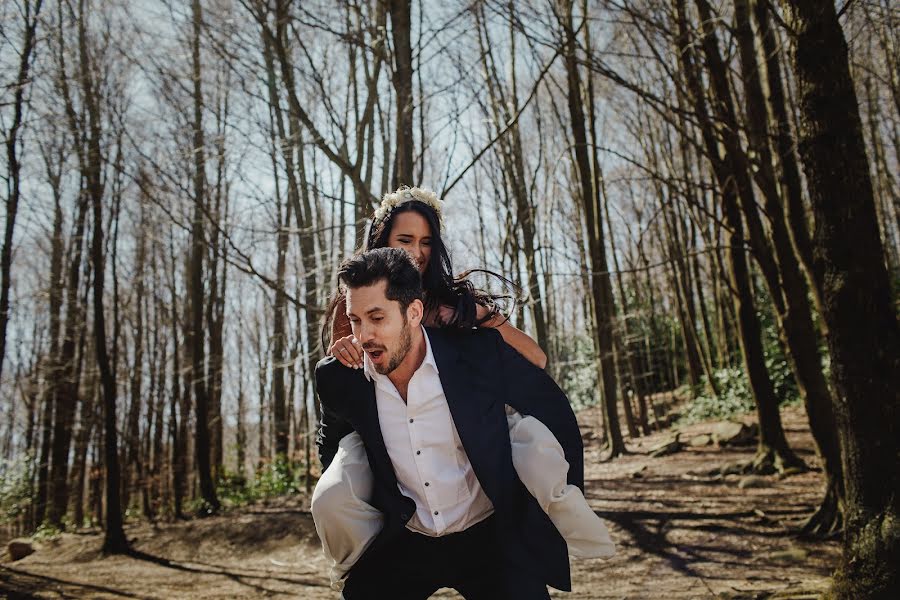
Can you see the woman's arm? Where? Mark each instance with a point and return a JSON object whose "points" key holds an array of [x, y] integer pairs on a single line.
{"points": [[516, 338], [344, 346], [340, 324]]}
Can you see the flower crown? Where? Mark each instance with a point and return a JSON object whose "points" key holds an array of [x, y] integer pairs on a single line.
{"points": [[394, 199]]}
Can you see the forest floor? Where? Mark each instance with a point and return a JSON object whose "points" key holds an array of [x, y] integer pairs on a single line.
{"points": [[681, 534]]}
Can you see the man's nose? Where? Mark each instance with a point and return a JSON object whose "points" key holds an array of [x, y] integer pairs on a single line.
{"points": [[364, 334]]}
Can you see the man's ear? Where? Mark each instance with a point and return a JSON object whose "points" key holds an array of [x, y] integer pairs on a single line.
{"points": [[415, 312]]}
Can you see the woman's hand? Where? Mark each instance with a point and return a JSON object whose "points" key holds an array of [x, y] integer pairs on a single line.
{"points": [[482, 311], [348, 352], [445, 315]]}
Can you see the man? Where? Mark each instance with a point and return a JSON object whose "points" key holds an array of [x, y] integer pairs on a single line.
{"points": [[430, 410]]}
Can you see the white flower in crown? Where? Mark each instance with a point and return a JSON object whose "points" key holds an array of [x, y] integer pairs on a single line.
{"points": [[394, 199]]}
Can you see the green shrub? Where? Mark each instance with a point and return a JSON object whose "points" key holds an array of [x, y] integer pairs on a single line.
{"points": [[46, 532], [278, 477], [734, 397], [575, 370], [15, 487]]}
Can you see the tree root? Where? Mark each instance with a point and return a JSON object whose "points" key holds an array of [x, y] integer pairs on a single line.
{"points": [[827, 521], [768, 461], [607, 453]]}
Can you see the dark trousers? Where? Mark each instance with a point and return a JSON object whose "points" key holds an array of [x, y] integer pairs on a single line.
{"points": [[414, 566]]}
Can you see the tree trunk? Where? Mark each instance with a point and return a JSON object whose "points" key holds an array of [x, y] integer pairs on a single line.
{"points": [[784, 144], [241, 429], [773, 452], [511, 154], [131, 471], [864, 337], [279, 337], [178, 405], [65, 389], [590, 197], [787, 284], [13, 167], [114, 541], [82, 440], [196, 343], [401, 33]]}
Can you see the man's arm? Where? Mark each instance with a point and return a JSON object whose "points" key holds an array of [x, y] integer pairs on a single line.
{"points": [[332, 428]]}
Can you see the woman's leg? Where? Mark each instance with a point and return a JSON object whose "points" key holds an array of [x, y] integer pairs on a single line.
{"points": [[344, 519], [541, 465]]}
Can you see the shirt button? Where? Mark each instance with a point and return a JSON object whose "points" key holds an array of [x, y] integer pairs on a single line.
{"points": [[418, 452], [435, 513], [411, 420], [427, 484]]}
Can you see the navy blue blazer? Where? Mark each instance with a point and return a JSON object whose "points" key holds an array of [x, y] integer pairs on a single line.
{"points": [[480, 374]]}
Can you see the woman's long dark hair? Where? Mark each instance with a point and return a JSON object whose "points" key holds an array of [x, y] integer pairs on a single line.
{"points": [[441, 287]]}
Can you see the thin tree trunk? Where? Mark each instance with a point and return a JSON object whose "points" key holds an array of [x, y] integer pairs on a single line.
{"points": [[114, 540], [82, 440], [773, 451], [511, 155], [131, 469], [12, 161], [241, 429], [784, 143], [589, 196], [401, 32], [796, 327], [55, 297], [196, 342], [65, 389]]}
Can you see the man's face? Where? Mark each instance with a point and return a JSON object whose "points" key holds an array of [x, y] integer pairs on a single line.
{"points": [[381, 326]]}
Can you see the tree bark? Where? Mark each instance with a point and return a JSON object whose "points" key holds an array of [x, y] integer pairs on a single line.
{"points": [[590, 198], [787, 284], [196, 343], [12, 162], [401, 33], [114, 540], [511, 154], [65, 389], [773, 452], [864, 337], [791, 186]]}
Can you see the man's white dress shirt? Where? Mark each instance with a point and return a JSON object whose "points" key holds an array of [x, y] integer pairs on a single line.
{"points": [[429, 460]]}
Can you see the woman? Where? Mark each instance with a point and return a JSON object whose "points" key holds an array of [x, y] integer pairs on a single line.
{"points": [[410, 218]]}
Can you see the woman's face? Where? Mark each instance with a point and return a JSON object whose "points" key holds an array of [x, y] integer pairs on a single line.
{"points": [[410, 231]]}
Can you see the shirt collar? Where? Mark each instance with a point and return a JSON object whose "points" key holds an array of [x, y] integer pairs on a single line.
{"points": [[373, 375]]}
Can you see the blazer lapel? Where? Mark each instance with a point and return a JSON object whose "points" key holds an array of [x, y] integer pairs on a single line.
{"points": [[469, 409], [370, 431]]}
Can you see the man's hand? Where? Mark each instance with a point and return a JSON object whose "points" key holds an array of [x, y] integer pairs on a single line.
{"points": [[348, 352]]}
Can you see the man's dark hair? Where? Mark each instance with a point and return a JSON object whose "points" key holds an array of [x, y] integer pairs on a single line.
{"points": [[395, 266]]}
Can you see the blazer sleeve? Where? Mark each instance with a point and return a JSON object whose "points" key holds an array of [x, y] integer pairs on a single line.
{"points": [[531, 391], [332, 427]]}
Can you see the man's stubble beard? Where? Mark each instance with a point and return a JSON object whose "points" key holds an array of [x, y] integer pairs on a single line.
{"points": [[402, 349]]}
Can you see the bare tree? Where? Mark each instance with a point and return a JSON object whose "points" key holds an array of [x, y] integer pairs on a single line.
{"points": [[590, 197], [400, 12], [30, 12], [196, 341]]}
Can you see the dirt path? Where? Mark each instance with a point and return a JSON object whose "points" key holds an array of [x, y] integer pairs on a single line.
{"points": [[680, 535]]}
